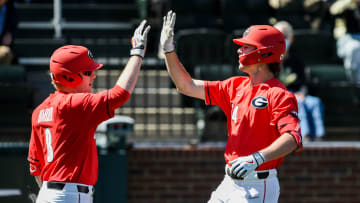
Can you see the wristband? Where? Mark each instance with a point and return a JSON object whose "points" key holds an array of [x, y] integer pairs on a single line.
{"points": [[137, 52], [259, 158]]}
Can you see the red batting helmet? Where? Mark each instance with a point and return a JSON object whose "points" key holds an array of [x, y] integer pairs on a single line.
{"points": [[269, 41], [68, 61]]}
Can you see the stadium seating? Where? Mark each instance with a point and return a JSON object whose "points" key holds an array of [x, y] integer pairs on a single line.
{"points": [[12, 74], [195, 13], [342, 111], [217, 71], [241, 14], [326, 74], [340, 97], [200, 46], [294, 13], [315, 47], [16, 102]]}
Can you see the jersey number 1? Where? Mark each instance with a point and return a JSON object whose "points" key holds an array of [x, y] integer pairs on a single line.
{"points": [[50, 152]]}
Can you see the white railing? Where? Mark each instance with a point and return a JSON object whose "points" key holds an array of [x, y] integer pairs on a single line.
{"points": [[57, 18]]}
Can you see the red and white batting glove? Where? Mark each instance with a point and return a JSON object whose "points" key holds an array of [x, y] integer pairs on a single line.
{"points": [[242, 166], [139, 40], [167, 33]]}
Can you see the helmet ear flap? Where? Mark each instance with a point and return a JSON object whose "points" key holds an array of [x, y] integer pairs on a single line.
{"points": [[71, 80], [68, 79]]}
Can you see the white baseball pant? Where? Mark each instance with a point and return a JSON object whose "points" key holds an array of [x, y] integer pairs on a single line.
{"points": [[68, 194], [249, 190]]}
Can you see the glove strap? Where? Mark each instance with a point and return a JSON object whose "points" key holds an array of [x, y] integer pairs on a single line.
{"points": [[169, 48], [137, 52], [166, 52], [259, 158]]}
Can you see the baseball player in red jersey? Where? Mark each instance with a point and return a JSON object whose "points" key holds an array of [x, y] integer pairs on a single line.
{"points": [[262, 120], [62, 150]]}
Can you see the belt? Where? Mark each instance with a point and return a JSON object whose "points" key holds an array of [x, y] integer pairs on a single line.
{"points": [[260, 175], [263, 175], [60, 186], [252, 175]]}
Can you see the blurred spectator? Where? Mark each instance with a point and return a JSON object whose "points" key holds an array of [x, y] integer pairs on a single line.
{"points": [[303, 14], [276, 4], [317, 14], [347, 33], [8, 27], [293, 76], [6, 55]]}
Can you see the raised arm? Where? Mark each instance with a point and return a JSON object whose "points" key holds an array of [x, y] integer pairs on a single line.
{"points": [[182, 79], [128, 77]]}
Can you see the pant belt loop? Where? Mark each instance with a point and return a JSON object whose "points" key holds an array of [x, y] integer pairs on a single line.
{"points": [[263, 175]]}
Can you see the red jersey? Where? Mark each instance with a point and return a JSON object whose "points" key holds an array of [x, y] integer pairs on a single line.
{"points": [[62, 145], [253, 114]]}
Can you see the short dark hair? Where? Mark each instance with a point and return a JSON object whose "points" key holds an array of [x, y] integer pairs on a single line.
{"points": [[274, 67]]}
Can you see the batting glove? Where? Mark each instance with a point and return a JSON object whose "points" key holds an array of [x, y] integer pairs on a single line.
{"points": [[167, 33], [139, 40], [242, 166]]}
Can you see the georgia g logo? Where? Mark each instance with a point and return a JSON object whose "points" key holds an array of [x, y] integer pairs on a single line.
{"points": [[259, 102], [91, 56]]}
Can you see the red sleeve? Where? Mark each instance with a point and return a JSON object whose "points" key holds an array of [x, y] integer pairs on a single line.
{"points": [[97, 107], [35, 156], [291, 124], [216, 94], [285, 116], [117, 96]]}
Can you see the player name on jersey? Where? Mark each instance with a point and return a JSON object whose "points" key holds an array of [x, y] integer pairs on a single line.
{"points": [[45, 115]]}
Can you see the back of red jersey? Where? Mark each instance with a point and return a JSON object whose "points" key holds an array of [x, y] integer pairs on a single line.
{"points": [[62, 145]]}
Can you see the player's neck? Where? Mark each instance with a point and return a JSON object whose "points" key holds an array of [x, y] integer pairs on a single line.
{"points": [[69, 90], [260, 77]]}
